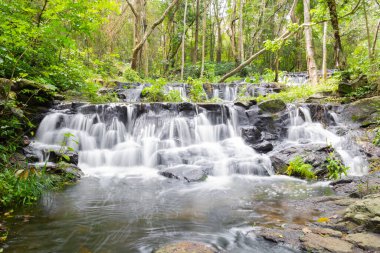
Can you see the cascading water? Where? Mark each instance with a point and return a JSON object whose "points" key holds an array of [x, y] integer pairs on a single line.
{"points": [[126, 205], [156, 140], [304, 130]]}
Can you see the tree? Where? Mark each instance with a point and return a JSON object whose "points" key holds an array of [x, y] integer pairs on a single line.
{"points": [[183, 41], [324, 52], [204, 27], [148, 32], [339, 58], [311, 65]]}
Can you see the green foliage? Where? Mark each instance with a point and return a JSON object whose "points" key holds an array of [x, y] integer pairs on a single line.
{"points": [[362, 91], [197, 93], [376, 140], [297, 93], [131, 76], [335, 167], [25, 190], [298, 168], [155, 93]]}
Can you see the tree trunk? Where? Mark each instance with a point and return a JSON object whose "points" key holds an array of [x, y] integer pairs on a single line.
{"points": [[311, 65], [340, 61], [137, 49], [183, 41], [368, 32], [324, 51], [219, 33], [196, 35], [204, 27], [241, 34], [236, 70], [212, 36]]}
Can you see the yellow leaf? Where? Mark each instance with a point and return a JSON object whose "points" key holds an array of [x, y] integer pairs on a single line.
{"points": [[323, 220]]}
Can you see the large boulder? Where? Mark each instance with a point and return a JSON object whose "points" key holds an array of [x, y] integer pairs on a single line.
{"points": [[272, 106], [33, 93], [365, 111], [365, 213], [314, 154], [68, 171]]}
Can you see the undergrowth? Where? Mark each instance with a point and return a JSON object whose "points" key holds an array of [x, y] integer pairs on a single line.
{"points": [[298, 168]]}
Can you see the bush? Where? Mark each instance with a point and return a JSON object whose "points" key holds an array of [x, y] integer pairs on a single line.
{"points": [[155, 93], [335, 167], [131, 76], [23, 187], [197, 93], [298, 168]]}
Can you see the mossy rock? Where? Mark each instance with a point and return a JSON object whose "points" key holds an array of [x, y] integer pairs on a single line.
{"points": [[186, 247], [272, 106], [5, 86], [365, 111]]}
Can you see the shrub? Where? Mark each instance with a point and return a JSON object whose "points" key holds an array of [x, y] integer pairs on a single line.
{"points": [[155, 93], [335, 167], [298, 168], [197, 93], [131, 76]]}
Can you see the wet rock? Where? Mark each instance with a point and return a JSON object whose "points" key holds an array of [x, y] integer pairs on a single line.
{"points": [[189, 173], [323, 231], [365, 213], [186, 247], [272, 106], [33, 155], [366, 241], [57, 156], [25, 141], [365, 111], [246, 104], [358, 187], [263, 147], [369, 149], [313, 242], [38, 90], [66, 170], [314, 154], [289, 235], [320, 113], [251, 134]]}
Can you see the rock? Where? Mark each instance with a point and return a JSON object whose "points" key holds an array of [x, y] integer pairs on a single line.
{"points": [[66, 170], [365, 111], [345, 87], [263, 147], [365, 213], [186, 247], [251, 134], [313, 242], [5, 87], [189, 173], [322, 231], [56, 156], [366, 241], [38, 94], [246, 104], [272, 106], [25, 141], [314, 154], [358, 187], [369, 148]]}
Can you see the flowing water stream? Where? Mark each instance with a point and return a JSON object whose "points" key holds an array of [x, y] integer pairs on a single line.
{"points": [[123, 204]]}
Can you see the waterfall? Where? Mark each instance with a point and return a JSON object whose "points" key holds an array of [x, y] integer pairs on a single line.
{"points": [[305, 130], [115, 139]]}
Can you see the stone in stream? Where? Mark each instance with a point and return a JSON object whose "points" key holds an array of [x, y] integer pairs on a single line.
{"points": [[272, 106], [317, 243], [365, 111], [365, 213], [188, 173], [186, 247], [366, 241]]}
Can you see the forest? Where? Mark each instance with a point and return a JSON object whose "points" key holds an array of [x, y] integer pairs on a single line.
{"points": [[189, 126]]}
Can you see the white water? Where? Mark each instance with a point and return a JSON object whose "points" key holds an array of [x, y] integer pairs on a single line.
{"points": [[111, 146], [304, 130]]}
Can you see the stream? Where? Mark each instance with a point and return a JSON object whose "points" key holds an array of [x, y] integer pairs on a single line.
{"points": [[220, 188]]}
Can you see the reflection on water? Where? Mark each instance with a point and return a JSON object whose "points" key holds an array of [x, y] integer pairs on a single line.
{"points": [[139, 214]]}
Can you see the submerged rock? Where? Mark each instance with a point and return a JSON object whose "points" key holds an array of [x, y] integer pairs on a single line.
{"points": [[186, 247]]}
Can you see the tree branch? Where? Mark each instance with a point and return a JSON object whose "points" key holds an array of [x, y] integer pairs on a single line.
{"points": [[132, 9], [148, 32]]}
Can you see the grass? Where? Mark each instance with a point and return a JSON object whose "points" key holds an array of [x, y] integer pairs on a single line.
{"points": [[291, 94]]}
